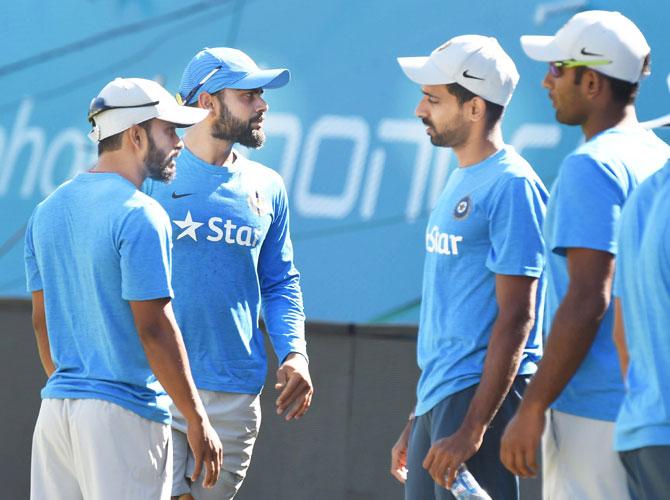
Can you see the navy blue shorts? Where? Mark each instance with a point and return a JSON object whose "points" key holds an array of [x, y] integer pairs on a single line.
{"points": [[443, 420], [648, 472]]}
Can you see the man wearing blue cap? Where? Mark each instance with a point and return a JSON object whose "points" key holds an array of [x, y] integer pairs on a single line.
{"points": [[232, 257]]}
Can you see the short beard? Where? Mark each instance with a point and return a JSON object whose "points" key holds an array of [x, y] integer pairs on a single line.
{"points": [[448, 138], [155, 164], [230, 128]]}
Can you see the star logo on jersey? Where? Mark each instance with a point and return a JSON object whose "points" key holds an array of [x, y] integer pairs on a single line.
{"points": [[188, 226], [462, 208]]}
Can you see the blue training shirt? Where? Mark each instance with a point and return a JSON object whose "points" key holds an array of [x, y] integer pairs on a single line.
{"points": [[643, 286], [487, 221], [583, 212], [93, 245], [232, 255]]}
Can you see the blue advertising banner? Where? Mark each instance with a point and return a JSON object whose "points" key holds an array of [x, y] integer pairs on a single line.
{"points": [[361, 173]]}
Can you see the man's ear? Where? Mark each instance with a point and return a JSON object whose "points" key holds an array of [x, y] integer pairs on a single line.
{"points": [[206, 101], [476, 109], [136, 136], [593, 83]]}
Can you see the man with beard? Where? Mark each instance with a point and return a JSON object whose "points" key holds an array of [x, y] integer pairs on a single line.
{"points": [[481, 312], [596, 62], [232, 257], [98, 265]]}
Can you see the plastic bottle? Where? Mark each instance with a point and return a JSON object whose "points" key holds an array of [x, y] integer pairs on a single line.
{"points": [[466, 487]]}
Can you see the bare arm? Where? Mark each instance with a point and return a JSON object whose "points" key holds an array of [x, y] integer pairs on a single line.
{"points": [[573, 331], [619, 335], [575, 324], [41, 334], [165, 351], [516, 316]]}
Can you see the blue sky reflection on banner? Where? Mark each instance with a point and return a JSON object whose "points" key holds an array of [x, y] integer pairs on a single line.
{"points": [[360, 171]]}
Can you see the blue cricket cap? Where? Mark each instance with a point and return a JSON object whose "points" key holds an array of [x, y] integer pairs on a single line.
{"points": [[224, 67]]}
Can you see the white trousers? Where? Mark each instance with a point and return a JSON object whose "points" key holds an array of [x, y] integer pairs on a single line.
{"points": [[236, 418], [96, 450], [579, 461]]}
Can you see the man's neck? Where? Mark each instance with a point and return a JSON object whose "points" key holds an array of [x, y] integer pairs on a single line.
{"points": [[199, 141], [478, 149], [115, 164], [609, 117]]}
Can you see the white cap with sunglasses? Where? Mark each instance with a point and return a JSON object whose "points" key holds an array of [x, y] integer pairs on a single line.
{"points": [[125, 102], [607, 41]]}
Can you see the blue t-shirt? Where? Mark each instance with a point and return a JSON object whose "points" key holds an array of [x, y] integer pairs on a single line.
{"points": [[583, 212], [93, 245], [643, 286], [232, 255], [487, 221]]}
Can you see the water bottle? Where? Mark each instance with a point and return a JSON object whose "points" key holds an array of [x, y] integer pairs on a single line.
{"points": [[466, 487]]}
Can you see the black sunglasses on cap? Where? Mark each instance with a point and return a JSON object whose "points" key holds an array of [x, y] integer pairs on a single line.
{"points": [[183, 101], [98, 105]]}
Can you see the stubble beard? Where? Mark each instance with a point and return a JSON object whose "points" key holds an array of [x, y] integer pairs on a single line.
{"points": [[566, 119]]}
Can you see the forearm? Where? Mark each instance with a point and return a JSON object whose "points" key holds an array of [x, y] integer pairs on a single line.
{"points": [[284, 319], [39, 321], [44, 351], [167, 357], [572, 333], [622, 353], [501, 366], [619, 336], [291, 342]]}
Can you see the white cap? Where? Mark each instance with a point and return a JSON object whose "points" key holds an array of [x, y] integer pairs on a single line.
{"points": [[125, 102], [595, 35], [475, 62]]}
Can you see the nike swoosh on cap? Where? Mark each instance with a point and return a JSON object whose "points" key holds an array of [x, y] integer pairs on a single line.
{"points": [[467, 75], [176, 196], [584, 52]]}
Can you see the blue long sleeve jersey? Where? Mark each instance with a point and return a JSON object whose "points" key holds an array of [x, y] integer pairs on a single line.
{"points": [[232, 255]]}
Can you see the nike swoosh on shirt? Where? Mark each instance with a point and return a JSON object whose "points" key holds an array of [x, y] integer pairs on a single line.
{"points": [[584, 52], [176, 196], [468, 75]]}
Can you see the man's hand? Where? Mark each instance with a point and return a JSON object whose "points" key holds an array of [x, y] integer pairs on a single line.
{"points": [[399, 454], [519, 444], [207, 451], [446, 455], [296, 388]]}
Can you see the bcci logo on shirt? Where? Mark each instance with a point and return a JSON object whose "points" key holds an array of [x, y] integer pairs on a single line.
{"points": [[462, 208], [258, 204]]}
